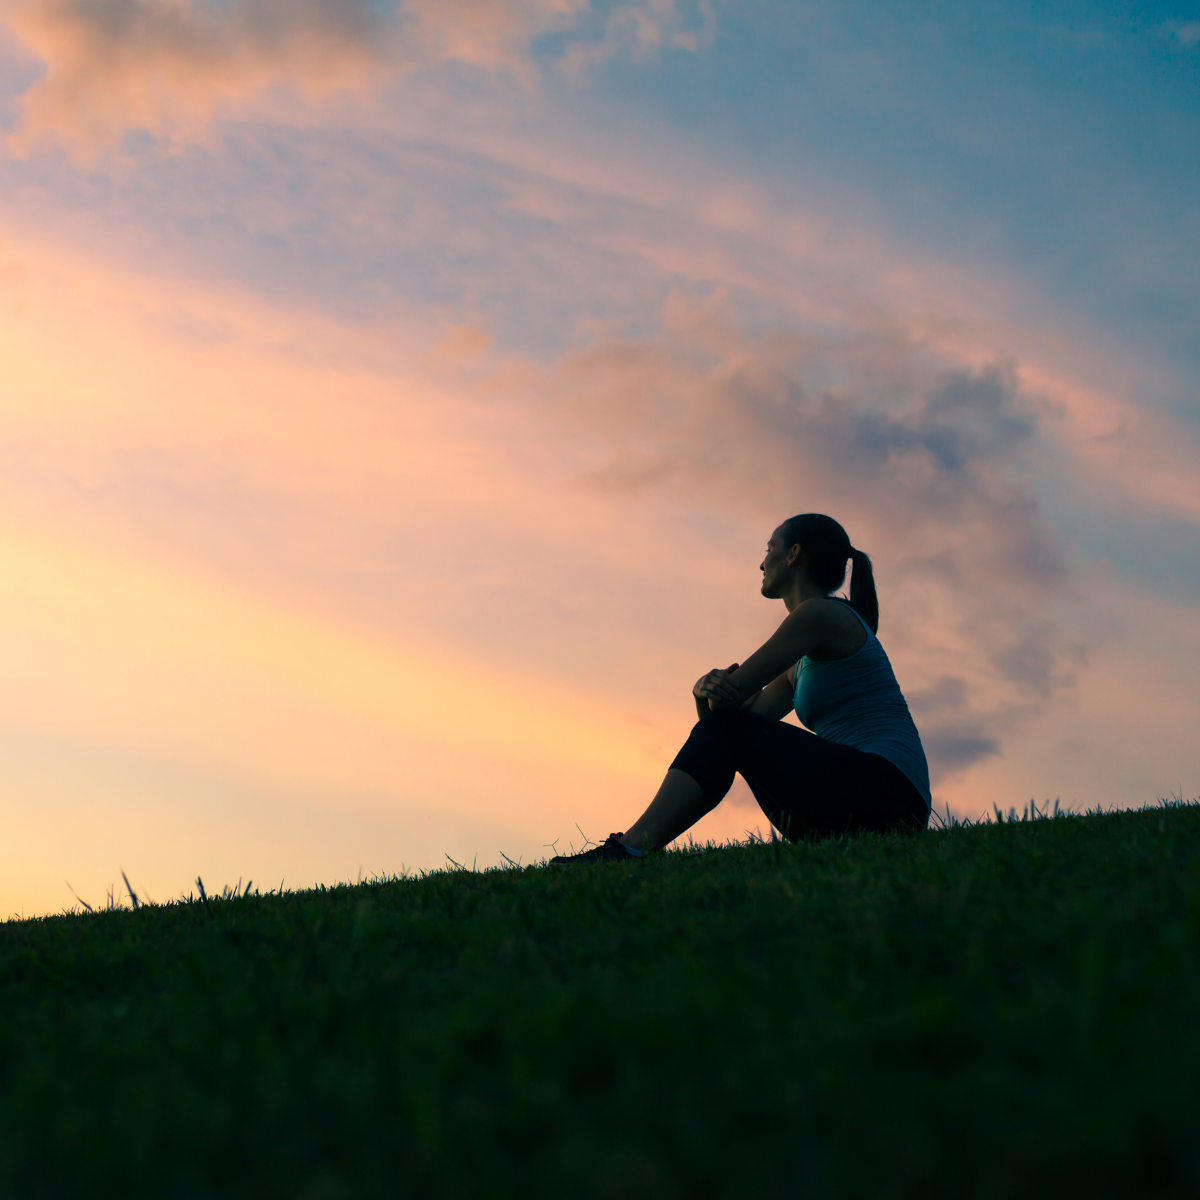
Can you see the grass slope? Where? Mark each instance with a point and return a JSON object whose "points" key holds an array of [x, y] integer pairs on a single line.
{"points": [[982, 1011]]}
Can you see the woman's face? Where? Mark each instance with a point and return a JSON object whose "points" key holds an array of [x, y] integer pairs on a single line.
{"points": [[774, 565]]}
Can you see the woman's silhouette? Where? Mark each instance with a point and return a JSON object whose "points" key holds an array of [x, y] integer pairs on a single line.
{"points": [[861, 768]]}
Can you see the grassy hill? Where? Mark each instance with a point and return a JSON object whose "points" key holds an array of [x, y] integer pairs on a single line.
{"points": [[983, 1011]]}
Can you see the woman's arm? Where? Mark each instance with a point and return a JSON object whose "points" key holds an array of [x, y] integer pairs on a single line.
{"points": [[717, 690], [806, 631], [775, 700]]}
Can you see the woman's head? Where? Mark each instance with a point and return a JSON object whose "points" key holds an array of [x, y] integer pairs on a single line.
{"points": [[820, 547]]}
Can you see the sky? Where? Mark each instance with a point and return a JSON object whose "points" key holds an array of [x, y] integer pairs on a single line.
{"points": [[396, 398]]}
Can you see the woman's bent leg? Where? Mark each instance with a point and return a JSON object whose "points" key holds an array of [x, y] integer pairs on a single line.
{"points": [[694, 785], [806, 785], [677, 805], [810, 787]]}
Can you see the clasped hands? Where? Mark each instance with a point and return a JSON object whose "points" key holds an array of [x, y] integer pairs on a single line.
{"points": [[718, 689]]}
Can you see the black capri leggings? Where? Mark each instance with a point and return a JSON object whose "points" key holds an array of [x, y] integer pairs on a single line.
{"points": [[807, 785]]}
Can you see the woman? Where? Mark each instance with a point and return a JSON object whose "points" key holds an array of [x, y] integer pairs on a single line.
{"points": [[862, 766]]}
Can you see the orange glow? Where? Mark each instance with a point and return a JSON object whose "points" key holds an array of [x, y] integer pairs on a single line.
{"points": [[120, 636], [288, 595]]}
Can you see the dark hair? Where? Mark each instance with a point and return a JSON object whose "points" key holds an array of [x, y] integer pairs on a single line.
{"points": [[827, 546]]}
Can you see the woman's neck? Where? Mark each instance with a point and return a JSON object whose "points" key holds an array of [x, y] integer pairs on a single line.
{"points": [[800, 588]]}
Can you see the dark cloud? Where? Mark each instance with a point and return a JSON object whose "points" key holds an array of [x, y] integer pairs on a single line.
{"points": [[953, 739], [925, 462], [951, 750]]}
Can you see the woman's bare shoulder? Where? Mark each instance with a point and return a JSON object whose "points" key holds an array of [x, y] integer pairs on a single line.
{"points": [[827, 608], [838, 629]]}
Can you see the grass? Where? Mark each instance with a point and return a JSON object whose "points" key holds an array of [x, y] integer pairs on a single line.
{"points": [[995, 1010]]}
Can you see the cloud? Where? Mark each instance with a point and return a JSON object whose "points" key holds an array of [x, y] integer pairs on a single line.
{"points": [[167, 66], [952, 749], [925, 463], [1187, 32], [156, 64], [641, 31]]}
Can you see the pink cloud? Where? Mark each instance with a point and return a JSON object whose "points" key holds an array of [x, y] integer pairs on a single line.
{"points": [[162, 64], [168, 66], [922, 460]]}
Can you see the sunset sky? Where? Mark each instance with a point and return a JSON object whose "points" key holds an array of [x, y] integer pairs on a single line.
{"points": [[396, 399]]}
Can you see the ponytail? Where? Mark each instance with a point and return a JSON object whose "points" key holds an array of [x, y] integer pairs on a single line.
{"points": [[862, 589], [827, 547]]}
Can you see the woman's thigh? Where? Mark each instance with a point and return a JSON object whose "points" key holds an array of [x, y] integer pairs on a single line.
{"points": [[809, 786]]}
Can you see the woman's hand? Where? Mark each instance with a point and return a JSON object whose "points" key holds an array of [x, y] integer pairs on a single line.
{"points": [[716, 690]]}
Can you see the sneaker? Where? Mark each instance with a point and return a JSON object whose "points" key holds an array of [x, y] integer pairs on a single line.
{"points": [[610, 850]]}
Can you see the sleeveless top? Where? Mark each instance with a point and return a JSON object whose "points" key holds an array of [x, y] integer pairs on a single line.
{"points": [[856, 701]]}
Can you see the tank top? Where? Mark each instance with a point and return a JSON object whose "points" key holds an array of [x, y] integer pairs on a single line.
{"points": [[857, 702]]}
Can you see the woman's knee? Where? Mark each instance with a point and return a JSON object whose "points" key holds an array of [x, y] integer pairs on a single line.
{"points": [[708, 755], [727, 718], [710, 731], [736, 728]]}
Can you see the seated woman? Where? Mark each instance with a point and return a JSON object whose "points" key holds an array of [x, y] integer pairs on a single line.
{"points": [[861, 768]]}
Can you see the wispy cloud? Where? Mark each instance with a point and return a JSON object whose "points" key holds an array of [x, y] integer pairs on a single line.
{"points": [[1186, 32], [925, 462], [640, 30], [167, 66]]}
